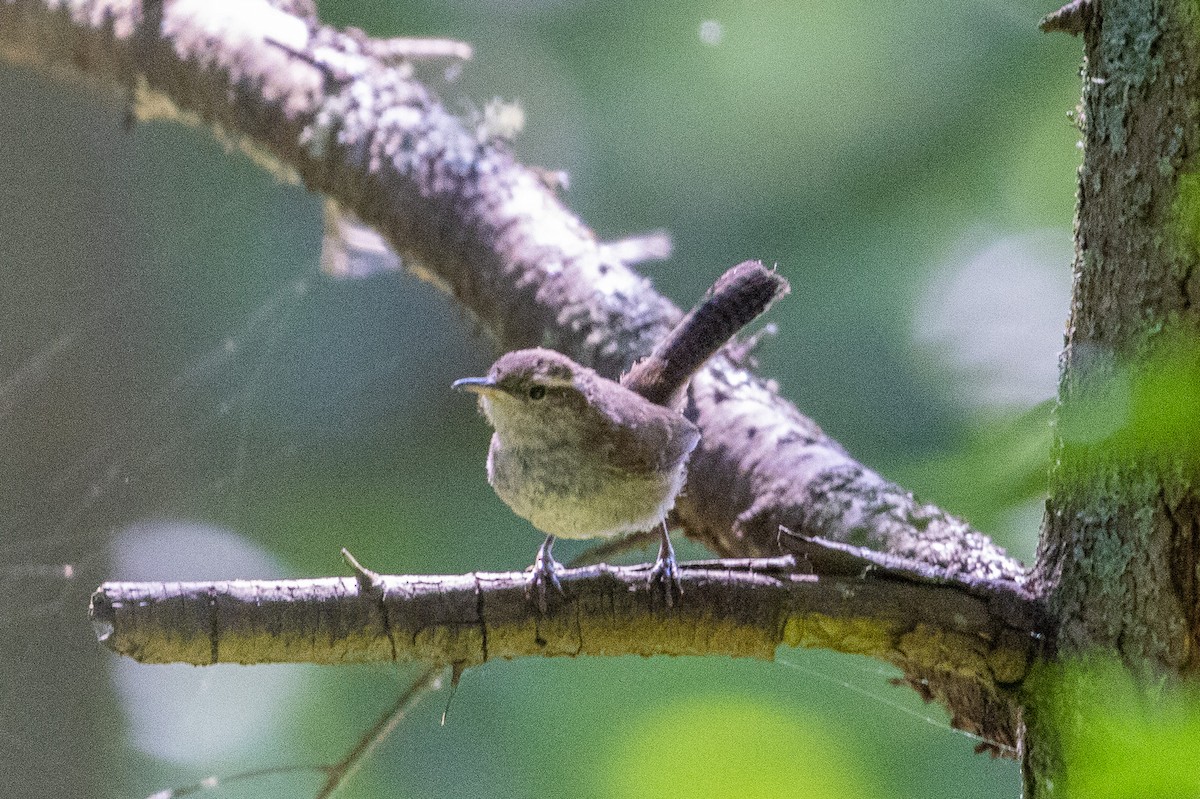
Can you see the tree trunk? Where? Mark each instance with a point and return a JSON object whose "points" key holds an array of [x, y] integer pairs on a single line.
{"points": [[1117, 562]]}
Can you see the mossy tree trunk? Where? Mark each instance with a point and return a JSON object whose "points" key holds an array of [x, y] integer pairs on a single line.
{"points": [[1117, 563]]}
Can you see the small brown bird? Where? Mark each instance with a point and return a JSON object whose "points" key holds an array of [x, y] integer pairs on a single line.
{"points": [[582, 456]]}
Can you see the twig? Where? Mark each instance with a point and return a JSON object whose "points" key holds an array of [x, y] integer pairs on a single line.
{"points": [[345, 768]]}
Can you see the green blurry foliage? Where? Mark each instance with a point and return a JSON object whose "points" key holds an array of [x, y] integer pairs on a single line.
{"points": [[732, 747], [1186, 210], [1143, 410], [999, 464], [1122, 740]]}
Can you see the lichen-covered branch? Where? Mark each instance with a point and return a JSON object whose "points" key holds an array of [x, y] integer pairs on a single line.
{"points": [[936, 627], [463, 213]]}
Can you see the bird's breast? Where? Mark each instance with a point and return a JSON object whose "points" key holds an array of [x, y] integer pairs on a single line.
{"points": [[573, 492]]}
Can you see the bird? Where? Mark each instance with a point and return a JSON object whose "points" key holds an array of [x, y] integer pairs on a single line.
{"points": [[581, 456]]}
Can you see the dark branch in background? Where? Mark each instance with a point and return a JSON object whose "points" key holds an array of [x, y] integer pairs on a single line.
{"points": [[1071, 18], [464, 214]]}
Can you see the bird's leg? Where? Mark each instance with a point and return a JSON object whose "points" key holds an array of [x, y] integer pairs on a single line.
{"points": [[545, 570], [665, 571]]}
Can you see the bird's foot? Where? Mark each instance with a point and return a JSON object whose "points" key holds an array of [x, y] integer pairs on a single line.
{"points": [[665, 574], [544, 571]]}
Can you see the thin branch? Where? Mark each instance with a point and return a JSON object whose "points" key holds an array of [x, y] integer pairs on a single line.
{"points": [[336, 774], [344, 769], [217, 783], [404, 49], [1072, 18]]}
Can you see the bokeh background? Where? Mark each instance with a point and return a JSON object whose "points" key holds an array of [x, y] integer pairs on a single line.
{"points": [[183, 395]]}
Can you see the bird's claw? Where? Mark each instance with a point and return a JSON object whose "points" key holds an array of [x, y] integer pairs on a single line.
{"points": [[544, 570], [665, 572]]}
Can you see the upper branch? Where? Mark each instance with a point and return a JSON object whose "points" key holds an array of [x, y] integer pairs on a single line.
{"points": [[463, 213]]}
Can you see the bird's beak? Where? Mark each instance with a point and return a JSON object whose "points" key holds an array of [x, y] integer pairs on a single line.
{"points": [[476, 385]]}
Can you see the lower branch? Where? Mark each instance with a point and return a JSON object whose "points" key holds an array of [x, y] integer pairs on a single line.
{"points": [[938, 632]]}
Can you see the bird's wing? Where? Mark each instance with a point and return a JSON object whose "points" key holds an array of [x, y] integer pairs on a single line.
{"points": [[642, 438]]}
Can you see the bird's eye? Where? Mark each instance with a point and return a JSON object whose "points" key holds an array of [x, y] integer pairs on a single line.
{"points": [[537, 392]]}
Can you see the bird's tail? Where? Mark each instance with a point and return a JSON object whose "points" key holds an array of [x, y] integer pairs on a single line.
{"points": [[734, 301]]}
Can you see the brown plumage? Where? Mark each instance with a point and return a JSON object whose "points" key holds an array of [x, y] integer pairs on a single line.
{"points": [[576, 454], [582, 456]]}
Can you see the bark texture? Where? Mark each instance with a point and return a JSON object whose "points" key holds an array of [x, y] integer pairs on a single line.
{"points": [[948, 632]]}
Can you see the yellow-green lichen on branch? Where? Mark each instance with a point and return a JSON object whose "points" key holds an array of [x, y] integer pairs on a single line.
{"points": [[856, 636]]}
